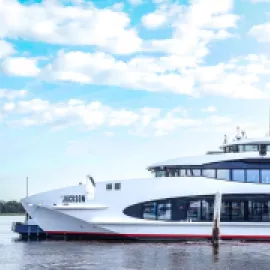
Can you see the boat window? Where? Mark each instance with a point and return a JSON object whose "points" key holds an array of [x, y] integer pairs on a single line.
{"points": [[225, 211], [251, 147], [164, 211], [183, 172], [109, 186], [209, 173], [207, 209], [238, 175], [160, 173], [117, 186], [235, 208], [173, 173], [193, 172], [265, 174], [265, 211], [255, 210], [149, 210], [253, 176], [223, 174], [241, 148], [83, 198], [234, 148], [194, 211], [237, 213]]}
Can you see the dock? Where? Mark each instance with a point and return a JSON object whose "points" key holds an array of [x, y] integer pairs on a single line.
{"points": [[28, 231]]}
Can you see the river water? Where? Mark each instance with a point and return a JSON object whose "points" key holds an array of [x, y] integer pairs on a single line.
{"points": [[16, 254]]}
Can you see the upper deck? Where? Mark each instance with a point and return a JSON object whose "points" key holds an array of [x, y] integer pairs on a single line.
{"points": [[238, 149], [244, 160]]}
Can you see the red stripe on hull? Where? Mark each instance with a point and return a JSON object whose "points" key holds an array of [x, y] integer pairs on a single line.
{"points": [[130, 236], [163, 236]]}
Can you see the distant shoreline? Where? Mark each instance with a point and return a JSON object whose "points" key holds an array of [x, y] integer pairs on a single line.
{"points": [[12, 214]]}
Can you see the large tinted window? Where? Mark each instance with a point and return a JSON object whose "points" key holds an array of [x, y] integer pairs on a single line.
{"points": [[255, 210], [250, 147], [225, 211], [237, 211], [209, 173], [241, 148], [238, 175], [235, 208], [160, 173], [183, 172], [265, 174], [194, 210], [234, 148], [265, 211], [207, 209], [164, 211], [253, 176], [193, 172], [150, 210], [223, 174]]}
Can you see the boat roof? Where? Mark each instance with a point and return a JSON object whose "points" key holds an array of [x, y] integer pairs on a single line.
{"points": [[264, 140], [206, 159], [217, 156]]}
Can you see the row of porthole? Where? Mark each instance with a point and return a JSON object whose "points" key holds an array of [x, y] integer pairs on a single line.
{"points": [[117, 186]]}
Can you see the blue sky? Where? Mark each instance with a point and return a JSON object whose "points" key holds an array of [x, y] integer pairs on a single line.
{"points": [[108, 87]]}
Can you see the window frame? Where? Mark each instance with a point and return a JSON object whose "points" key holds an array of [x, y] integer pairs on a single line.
{"points": [[117, 186], [109, 186]]}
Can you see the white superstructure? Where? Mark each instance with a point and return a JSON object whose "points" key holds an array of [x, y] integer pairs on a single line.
{"points": [[177, 203]]}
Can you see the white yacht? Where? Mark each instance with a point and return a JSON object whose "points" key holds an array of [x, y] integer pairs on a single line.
{"points": [[176, 203]]}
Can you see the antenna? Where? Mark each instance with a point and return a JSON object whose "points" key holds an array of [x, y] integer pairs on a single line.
{"points": [[26, 213], [237, 136], [225, 139], [92, 180], [269, 123], [26, 186]]}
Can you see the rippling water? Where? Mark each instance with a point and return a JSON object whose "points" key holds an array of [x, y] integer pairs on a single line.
{"points": [[101, 255]]}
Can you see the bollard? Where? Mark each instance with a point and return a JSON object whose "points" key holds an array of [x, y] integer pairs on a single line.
{"points": [[216, 220]]}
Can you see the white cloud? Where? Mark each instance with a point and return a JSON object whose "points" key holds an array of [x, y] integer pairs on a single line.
{"points": [[9, 106], [20, 66], [12, 94], [6, 49], [118, 6], [148, 115], [101, 68], [36, 112], [135, 2], [174, 119], [210, 109], [260, 1], [159, 1], [194, 27], [261, 32], [154, 20], [109, 133], [122, 118], [93, 115], [242, 78], [55, 23]]}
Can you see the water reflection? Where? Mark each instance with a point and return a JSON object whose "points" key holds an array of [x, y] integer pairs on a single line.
{"points": [[109, 255]]}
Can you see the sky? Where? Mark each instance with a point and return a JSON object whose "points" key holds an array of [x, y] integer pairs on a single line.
{"points": [[109, 87]]}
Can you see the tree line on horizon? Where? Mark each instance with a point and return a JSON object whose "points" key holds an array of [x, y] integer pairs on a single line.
{"points": [[11, 207]]}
